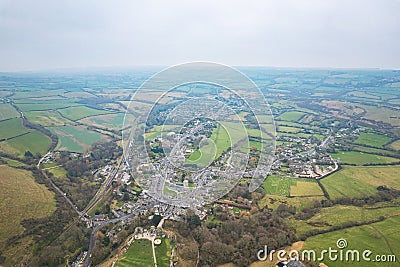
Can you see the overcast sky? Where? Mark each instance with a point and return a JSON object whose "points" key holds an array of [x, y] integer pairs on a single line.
{"points": [[38, 35]]}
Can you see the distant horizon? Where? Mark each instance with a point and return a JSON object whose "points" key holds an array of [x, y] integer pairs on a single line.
{"points": [[161, 67]]}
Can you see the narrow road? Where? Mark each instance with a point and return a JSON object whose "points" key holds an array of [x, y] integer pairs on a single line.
{"points": [[154, 252], [384, 238], [96, 229], [62, 193], [40, 161]]}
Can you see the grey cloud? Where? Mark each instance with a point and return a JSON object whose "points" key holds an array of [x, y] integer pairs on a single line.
{"points": [[55, 34]]}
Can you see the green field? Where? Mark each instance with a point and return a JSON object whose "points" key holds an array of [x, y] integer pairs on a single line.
{"points": [[47, 118], [291, 116], [75, 138], [151, 135], [360, 158], [372, 139], [276, 185], [163, 253], [195, 155], [222, 137], [346, 183], [273, 201], [58, 172], [373, 150], [237, 132], [295, 187], [157, 130], [391, 116], [305, 188], [381, 238], [34, 141], [13, 163], [37, 93], [139, 254], [339, 215], [357, 181], [255, 145], [11, 128], [395, 145], [7, 112], [53, 105], [377, 175], [112, 121], [21, 198], [294, 124], [80, 112], [288, 129], [168, 191]]}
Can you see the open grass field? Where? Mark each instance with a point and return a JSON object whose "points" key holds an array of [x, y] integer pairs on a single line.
{"points": [[204, 156], [301, 135], [11, 128], [339, 215], [13, 163], [256, 145], [47, 118], [348, 182], [276, 185], [305, 188], [80, 112], [40, 99], [139, 254], [168, 191], [50, 105], [158, 129], [58, 172], [78, 95], [373, 150], [360, 94], [222, 140], [381, 238], [7, 112], [395, 101], [372, 139], [356, 181], [235, 131], [268, 128], [75, 138], [377, 175], [37, 93], [4, 92], [395, 145], [151, 135], [291, 116], [21, 198], [34, 141], [295, 124], [273, 201], [361, 158], [387, 115], [225, 135], [112, 121], [345, 108], [163, 253], [136, 106], [288, 129]]}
